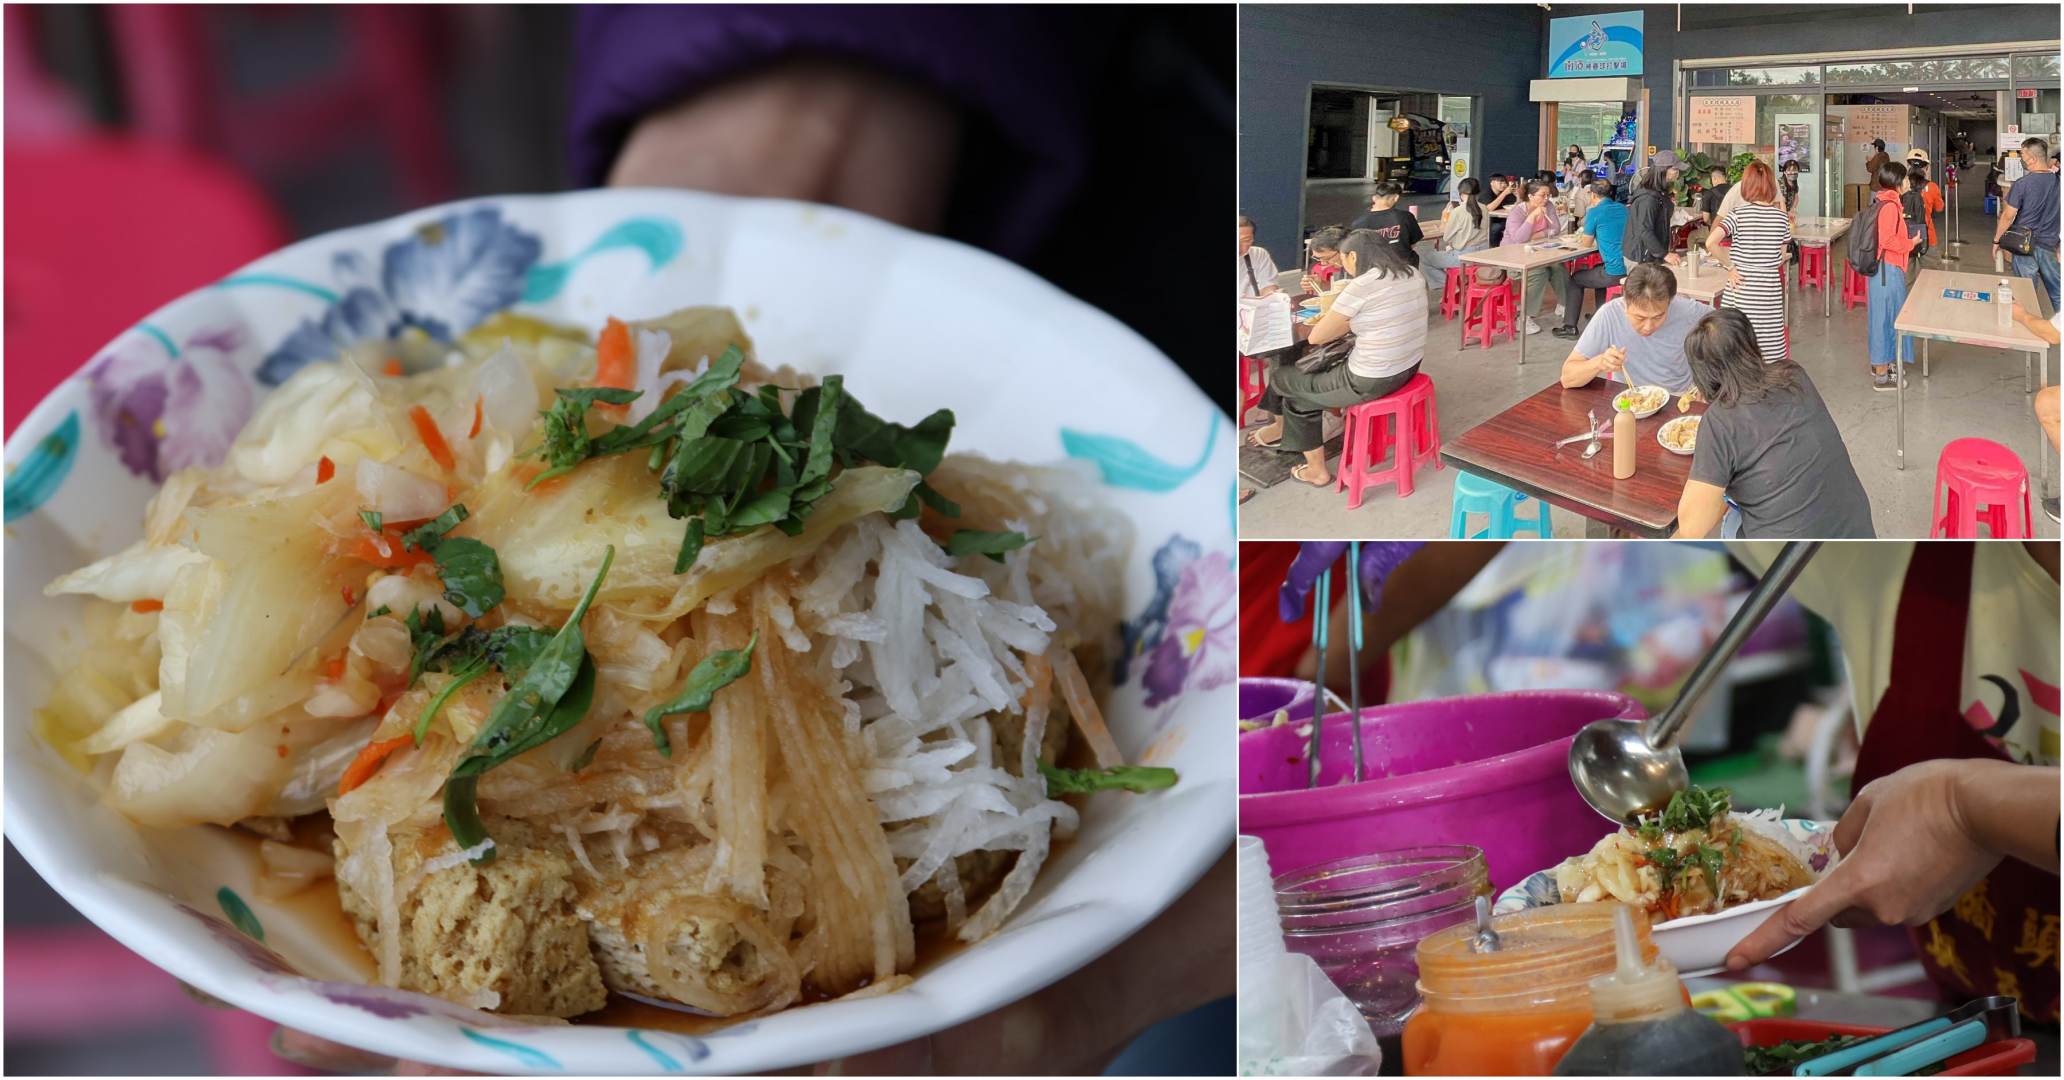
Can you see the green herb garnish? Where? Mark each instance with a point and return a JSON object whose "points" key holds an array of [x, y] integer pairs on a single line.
{"points": [[472, 574], [427, 534], [977, 542], [713, 673], [1135, 778], [1694, 808], [550, 698], [371, 518]]}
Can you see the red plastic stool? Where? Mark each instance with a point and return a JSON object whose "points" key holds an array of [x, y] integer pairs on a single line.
{"points": [[1451, 292], [1412, 441], [1585, 262], [1253, 381], [1612, 293], [1974, 473], [1855, 290], [1497, 315], [1813, 267]]}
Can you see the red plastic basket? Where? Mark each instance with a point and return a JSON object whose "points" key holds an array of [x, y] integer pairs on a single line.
{"points": [[1999, 1058]]}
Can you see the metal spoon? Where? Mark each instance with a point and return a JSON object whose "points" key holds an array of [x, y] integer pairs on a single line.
{"points": [[1591, 448], [1623, 767], [1486, 939]]}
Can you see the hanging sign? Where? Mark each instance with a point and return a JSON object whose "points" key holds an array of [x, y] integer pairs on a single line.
{"points": [[1589, 46], [1722, 119]]}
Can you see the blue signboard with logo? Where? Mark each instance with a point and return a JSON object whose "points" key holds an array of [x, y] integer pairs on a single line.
{"points": [[1595, 46]]}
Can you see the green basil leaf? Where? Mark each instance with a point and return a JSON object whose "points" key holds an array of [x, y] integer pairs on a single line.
{"points": [[426, 635], [472, 574], [930, 496], [379, 611], [585, 396], [691, 546], [766, 508], [713, 673], [371, 518], [977, 542], [586, 756], [427, 535], [1135, 778]]}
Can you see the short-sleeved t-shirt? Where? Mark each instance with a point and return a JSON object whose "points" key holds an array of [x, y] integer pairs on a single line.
{"points": [[1388, 317], [1714, 196], [1782, 461], [1398, 229], [2034, 199], [1657, 359], [1607, 221]]}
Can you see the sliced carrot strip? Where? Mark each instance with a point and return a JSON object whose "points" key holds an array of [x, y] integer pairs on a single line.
{"points": [[384, 550], [145, 606], [616, 362], [426, 428], [474, 433], [324, 469], [350, 596], [391, 367], [369, 761], [333, 669]]}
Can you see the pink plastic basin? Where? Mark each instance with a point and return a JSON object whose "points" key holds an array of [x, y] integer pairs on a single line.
{"points": [[1490, 770], [1260, 698]]}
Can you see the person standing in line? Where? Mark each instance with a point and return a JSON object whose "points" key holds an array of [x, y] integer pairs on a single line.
{"points": [[1397, 228], [1930, 192], [1464, 228], [1886, 289], [1606, 222], [1717, 187], [1647, 237], [1257, 269], [1878, 158], [2031, 204], [1757, 232]]}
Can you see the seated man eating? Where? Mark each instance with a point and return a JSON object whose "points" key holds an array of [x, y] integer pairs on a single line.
{"points": [[1638, 337]]}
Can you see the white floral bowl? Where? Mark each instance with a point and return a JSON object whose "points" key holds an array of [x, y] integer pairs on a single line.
{"points": [[914, 322], [1698, 944]]}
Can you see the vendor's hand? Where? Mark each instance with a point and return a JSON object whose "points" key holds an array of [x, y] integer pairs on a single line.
{"points": [[816, 130], [1908, 852]]}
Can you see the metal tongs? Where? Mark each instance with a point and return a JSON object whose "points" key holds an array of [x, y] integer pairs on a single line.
{"points": [[1321, 615], [1903, 1051]]}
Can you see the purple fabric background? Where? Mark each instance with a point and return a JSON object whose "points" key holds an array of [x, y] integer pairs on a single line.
{"points": [[1012, 67]]}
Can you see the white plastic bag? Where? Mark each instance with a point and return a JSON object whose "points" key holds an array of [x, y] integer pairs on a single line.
{"points": [[1264, 324], [1291, 1019]]}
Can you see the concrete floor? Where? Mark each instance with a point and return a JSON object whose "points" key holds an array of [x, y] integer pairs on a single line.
{"points": [[1971, 391]]}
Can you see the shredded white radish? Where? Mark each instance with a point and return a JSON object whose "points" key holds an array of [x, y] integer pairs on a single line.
{"points": [[398, 494]]}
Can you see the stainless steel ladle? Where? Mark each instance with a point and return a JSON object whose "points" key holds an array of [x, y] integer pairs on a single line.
{"points": [[1625, 767]]}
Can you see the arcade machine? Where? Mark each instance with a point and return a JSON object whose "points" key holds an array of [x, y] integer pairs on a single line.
{"points": [[1427, 143]]}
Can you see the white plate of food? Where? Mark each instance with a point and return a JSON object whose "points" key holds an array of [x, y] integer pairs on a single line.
{"points": [[185, 714], [1679, 435], [1642, 401], [1665, 865]]}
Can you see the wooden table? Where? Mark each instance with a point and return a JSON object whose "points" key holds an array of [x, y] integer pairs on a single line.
{"points": [[1516, 448], [1822, 232], [1930, 316], [1705, 286], [1518, 259]]}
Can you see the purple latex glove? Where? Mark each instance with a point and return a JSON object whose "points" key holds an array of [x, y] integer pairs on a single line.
{"points": [[1379, 558]]}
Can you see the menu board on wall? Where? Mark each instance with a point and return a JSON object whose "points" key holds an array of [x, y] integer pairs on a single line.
{"points": [[1887, 122], [1723, 119]]}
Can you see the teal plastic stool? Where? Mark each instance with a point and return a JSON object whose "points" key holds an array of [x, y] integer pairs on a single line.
{"points": [[1476, 495]]}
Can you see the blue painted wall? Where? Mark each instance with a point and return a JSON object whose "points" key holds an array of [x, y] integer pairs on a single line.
{"points": [[1487, 50]]}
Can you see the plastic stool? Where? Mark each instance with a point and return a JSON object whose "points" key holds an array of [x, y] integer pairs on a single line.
{"points": [[1612, 293], [1991, 205], [1974, 473], [1476, 495], [1812, 267], [1855, 290], [1413, 441], [1498, 313], [1585, 262], [1451, 292], [1253, 381]]}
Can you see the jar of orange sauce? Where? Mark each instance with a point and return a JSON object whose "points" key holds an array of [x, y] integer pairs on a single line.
{"points": [[1513, 1012]]}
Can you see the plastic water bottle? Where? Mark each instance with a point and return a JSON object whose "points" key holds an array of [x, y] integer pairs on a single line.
{"points": [[2003, 301]]}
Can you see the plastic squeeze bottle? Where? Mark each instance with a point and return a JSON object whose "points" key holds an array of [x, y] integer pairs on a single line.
{"points": [[1640, 1025], [1622, 444]]}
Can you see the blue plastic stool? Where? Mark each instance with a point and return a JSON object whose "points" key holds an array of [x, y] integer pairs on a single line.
{"points": [[1991, 205], [1476, 495]]}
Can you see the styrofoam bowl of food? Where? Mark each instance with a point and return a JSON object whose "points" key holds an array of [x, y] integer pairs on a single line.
{"points": [[1667, 863], [1679, 436], [1642, 401], [501, 638]]}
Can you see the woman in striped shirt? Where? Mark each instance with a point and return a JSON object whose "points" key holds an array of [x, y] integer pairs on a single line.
{"points": [[1756, 232]]}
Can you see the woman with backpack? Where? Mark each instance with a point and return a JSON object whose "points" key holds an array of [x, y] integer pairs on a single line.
{"points": [[1929, 195], [1880, 248]]}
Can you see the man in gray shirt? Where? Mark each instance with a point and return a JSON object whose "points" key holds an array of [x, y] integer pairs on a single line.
{"points": [[1638, 337]]}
